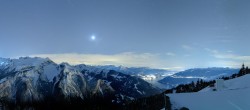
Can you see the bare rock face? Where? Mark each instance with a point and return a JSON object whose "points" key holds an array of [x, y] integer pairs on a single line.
{"points": [[103, 87], [70, 83], [25, 91]]}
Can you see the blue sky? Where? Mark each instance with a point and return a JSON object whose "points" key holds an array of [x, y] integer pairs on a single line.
{"points": [[172, 34]]}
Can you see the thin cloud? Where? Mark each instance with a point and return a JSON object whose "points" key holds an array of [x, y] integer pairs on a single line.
{"points": [[229, 58], [186, 47], [221, 55], [170, 54], [187, 55], [225, 41], [211, 50]]}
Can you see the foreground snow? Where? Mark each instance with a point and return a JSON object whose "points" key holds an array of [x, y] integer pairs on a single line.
{"points": [[234, 96]]}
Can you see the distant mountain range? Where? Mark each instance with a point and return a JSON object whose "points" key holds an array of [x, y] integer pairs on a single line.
{"points": [[166, 79], [26, 80], [135, 70], [190, 75], [148, 74]]}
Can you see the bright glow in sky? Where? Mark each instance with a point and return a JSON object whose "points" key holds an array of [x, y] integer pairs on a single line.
{"points": [[93, 37], [158, 33]]}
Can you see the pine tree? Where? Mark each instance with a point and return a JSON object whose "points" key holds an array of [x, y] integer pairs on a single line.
{"points": [[242, 70], [247, 70]]}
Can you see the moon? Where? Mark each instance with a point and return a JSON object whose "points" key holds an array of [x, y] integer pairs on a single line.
{"points": [[93, 37]]}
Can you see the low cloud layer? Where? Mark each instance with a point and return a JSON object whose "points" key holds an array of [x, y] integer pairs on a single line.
{"points": [[129, 59], [169, 60]]}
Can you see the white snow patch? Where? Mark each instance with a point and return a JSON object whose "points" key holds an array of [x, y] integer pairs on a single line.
{"points": [[135, 85], [117, 76], [4, 79], [50, 71], [122, 96], [139, 91], [90, 78], [108, 83], [32, 75]]}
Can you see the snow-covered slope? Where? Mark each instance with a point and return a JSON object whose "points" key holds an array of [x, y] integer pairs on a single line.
{"points": [[234, 95]]}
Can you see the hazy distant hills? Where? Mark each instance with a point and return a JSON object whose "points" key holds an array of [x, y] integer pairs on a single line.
{"points": [[26, 80], [190, 75], [166, 78], [134, 70], [148, 74]]}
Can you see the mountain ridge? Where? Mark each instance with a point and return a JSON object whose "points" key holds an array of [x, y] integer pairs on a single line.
{"points": [[27, 80]]}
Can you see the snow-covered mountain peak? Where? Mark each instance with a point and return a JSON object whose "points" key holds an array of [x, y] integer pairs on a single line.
{"points": [[29, 61], [4, 61]]}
